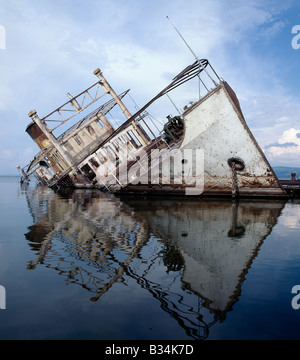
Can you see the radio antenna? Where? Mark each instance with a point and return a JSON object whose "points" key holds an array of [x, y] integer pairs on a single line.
{"points": [[196, 57], [183, 39]]}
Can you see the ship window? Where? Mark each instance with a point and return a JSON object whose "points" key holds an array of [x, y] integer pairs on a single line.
{"points": [[90, 130], [69, 147], [100, 123], [43, 163], [116, 144], [78, 139], [134, 138], [94, 162], [123, 139], [88, 172]]}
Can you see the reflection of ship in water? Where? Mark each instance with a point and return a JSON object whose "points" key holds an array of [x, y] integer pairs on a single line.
{"points": [[95, 240], [216, 240]]}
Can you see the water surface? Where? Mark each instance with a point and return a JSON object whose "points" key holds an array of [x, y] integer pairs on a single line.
{"points": [[89, 265]]}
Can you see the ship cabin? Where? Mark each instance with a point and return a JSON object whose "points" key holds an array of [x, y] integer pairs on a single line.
{"points": [[86, 153]]}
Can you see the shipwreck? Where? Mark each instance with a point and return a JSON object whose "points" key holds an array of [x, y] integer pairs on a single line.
{"points": [[206, 149]]}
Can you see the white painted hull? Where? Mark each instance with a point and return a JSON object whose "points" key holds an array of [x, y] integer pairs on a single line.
{"points": [[216, 125]]}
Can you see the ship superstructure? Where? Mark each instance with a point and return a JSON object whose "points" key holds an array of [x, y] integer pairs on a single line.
{"points": [[207, 149]]}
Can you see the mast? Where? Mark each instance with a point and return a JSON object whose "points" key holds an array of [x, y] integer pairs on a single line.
{"points": [[106, 86]]}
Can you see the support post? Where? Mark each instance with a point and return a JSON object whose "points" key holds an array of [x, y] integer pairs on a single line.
{"points": [[45, 129], [111, 91], [23, 173], [126, 112]]}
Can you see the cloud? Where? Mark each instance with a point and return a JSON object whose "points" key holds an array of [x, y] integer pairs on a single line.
{"points": [[269, 114], [289, 217], [287, 150], [283, 145]]}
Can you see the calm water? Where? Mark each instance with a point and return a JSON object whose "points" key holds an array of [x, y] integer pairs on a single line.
{"points": [[87, 265]]}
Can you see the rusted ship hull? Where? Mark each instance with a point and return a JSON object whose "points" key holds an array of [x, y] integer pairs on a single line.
{"points": [[208, 150]]}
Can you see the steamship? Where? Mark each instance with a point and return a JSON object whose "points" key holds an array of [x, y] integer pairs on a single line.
{"points": [[205, 149]]}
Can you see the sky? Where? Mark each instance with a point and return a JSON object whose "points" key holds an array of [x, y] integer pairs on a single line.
{"points": [[51, 47]]}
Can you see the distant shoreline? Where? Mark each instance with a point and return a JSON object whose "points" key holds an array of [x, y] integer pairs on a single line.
{"points": [[284, 172]]}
